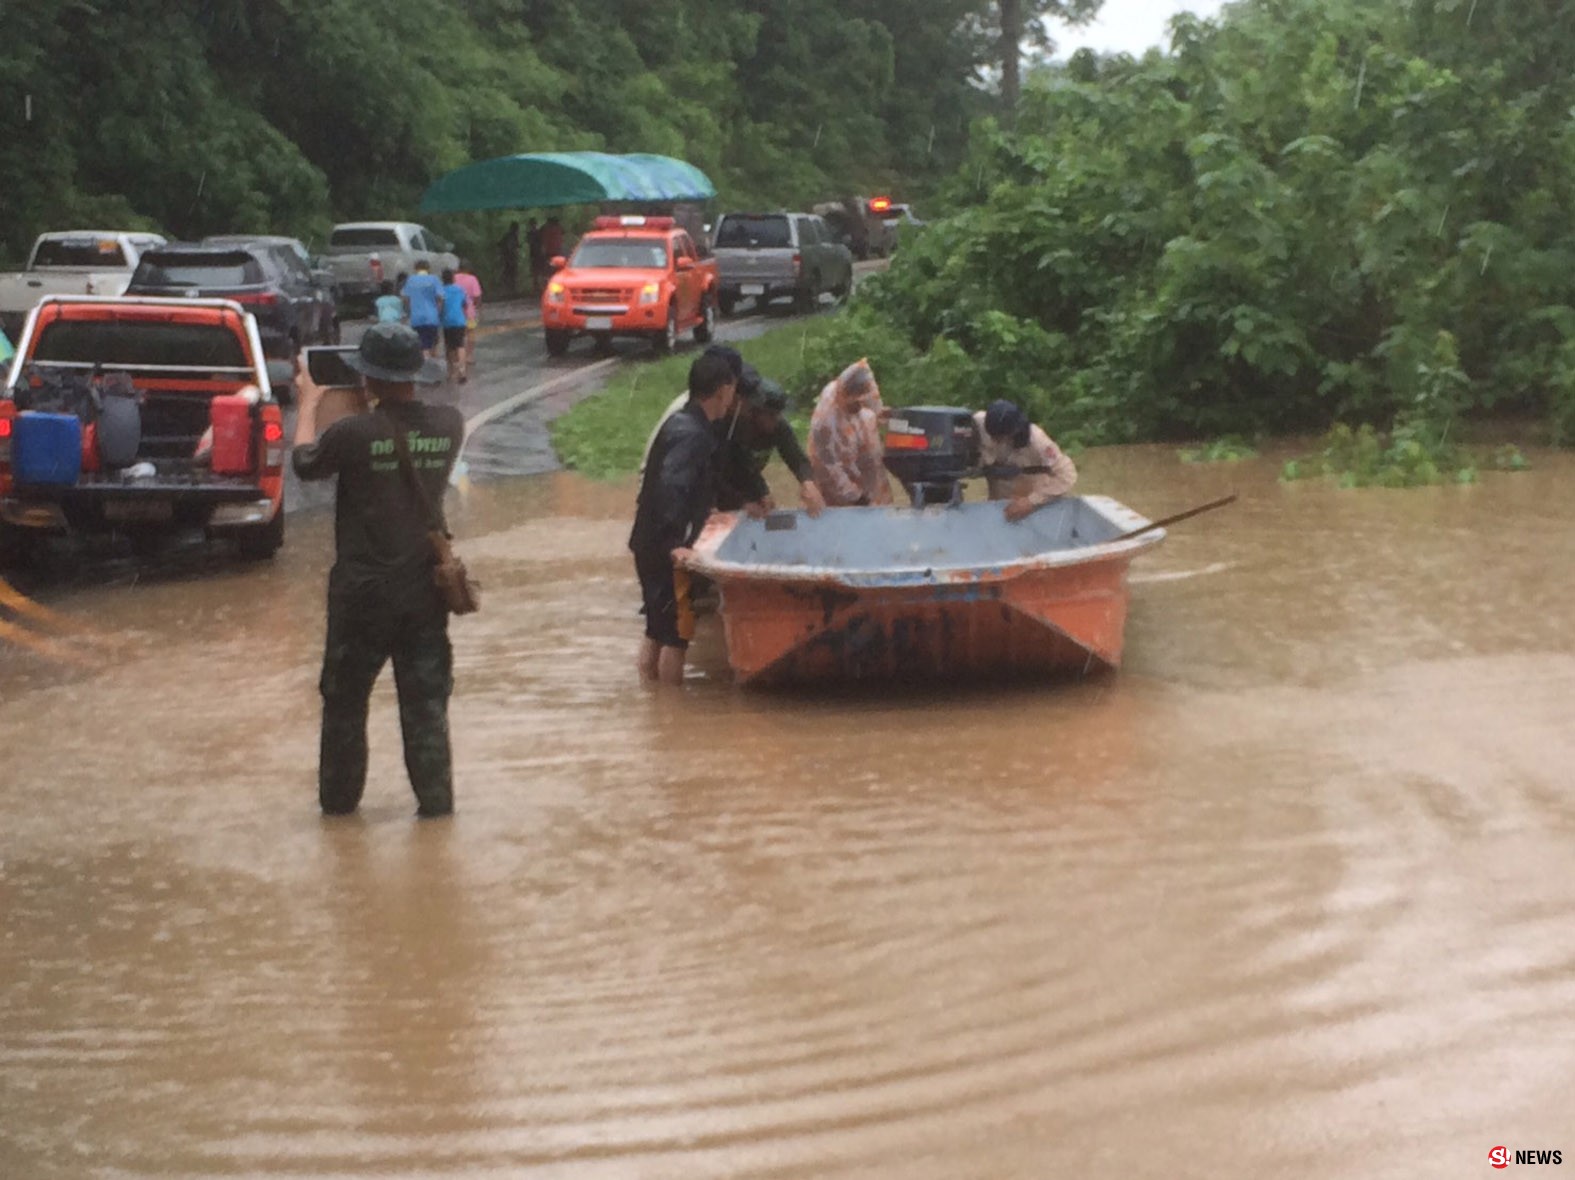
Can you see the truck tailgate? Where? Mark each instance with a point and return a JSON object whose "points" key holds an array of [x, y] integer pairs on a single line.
{"points": [[766, 264]]}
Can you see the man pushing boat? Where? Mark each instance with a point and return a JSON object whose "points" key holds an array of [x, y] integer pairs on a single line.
{"points": [[677, 492]]}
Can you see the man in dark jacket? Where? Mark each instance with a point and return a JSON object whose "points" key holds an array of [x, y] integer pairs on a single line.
{"points": [[382, 601], [759, 429], [677, 492]]}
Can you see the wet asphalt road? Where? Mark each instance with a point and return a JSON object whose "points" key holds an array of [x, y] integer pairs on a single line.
{"points": [[512, 360], [512, 366]]}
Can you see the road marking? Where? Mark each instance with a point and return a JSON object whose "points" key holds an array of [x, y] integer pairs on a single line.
{"points": [[525, 396], [510, 326]]}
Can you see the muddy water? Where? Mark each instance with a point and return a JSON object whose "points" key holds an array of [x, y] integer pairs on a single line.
{"points": [[1287, 897]]}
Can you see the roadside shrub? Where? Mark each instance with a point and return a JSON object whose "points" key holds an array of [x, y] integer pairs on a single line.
{"points": [[1230, 449]]}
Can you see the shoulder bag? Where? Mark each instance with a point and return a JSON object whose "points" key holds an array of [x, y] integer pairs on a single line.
{"points": [[461, 592]]}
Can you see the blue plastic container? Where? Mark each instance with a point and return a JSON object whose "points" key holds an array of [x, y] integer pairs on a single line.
{"points": [[47, 449]]}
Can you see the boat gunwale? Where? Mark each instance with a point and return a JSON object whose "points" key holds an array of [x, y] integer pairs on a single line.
{"points": [[703, 559]]}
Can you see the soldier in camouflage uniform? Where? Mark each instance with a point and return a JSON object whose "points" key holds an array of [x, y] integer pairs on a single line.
{"points": [[382, 602]]}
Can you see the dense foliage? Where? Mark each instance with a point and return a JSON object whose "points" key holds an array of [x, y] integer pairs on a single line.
{"points": [[1309, 211], [286, 115]]}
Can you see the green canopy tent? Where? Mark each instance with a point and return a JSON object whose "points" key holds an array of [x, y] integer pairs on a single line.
{"points": [[535, 180]]}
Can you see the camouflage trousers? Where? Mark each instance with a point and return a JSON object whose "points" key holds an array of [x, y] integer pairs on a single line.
{"points": [[362, 637]]}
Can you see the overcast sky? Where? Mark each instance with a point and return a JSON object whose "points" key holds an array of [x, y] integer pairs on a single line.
{"points": [[1128, 26]]}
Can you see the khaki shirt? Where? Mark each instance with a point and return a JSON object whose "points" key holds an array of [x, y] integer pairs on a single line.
{"points": [[1041, 451]]}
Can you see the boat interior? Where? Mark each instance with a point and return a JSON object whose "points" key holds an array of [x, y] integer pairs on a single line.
{"points": [[889, 539]]}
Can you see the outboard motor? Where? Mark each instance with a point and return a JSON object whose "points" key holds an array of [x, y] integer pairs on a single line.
{"points": [[932, 449]]}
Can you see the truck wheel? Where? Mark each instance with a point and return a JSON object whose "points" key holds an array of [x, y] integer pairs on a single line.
{"points": [[706, 328], [668, 340], [19, 546], [259, 542], [726, 304], [806, 299], [557, 342]]}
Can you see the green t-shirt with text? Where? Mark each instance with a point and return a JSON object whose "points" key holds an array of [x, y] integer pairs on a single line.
{"points": [[380, 526]]}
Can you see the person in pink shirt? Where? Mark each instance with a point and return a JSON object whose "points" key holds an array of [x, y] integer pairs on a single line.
{"points": [[471, 285]]}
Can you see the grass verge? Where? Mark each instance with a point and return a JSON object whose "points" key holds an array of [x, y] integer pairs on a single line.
{"points": [[604, 436]]}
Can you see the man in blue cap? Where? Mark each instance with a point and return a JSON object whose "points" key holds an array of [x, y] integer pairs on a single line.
{"points": [[392, 466], [1032, 470]]}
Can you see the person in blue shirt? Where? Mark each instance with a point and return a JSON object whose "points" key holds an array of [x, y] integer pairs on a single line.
{"points": [[424, 296], [390, 307], [455, 316]]}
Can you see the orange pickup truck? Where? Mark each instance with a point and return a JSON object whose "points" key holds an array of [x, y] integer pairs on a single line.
{"points": [[140, 416], [631, 276]]}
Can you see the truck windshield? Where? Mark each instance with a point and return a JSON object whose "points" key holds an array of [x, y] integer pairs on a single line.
{"points": [[634, 253], [146, 342], [743, 230], [104, 252], [362, 239]]}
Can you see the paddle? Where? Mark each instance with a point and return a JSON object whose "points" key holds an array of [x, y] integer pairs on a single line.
{"points": [[1011, 470], [1180, 516]]}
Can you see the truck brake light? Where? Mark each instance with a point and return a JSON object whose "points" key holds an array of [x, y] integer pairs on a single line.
{"points": [[377, 269], [7, 426], [261, 298], [798, 263], [273, 439]]}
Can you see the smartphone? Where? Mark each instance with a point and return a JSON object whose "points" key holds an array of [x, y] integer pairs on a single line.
{"points": [[325, 363]]}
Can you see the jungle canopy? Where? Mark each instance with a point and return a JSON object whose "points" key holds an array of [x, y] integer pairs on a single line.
{"points": [[540, 179]]}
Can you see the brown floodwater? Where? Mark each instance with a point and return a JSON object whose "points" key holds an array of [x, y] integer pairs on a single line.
{"points": [[1289, 896]]}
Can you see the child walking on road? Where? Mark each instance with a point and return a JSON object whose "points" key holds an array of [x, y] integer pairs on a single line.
{"points": [[456, 317]]}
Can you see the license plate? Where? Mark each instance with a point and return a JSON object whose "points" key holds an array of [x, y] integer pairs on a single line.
{"points": [[598, 323], [140, 511], [752, 289]]}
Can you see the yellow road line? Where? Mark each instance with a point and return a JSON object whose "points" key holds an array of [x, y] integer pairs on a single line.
{"points": [[509, 326], [50, 649], [23, 606]]}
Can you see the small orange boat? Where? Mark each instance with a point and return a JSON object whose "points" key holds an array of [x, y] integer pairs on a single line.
{"points": [[932, 592]]}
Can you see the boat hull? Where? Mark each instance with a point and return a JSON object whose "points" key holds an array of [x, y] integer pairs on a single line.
{"points": [[1060, 611]]}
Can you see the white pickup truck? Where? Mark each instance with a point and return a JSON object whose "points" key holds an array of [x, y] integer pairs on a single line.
{"points": [[74, 262], [362, 254]]}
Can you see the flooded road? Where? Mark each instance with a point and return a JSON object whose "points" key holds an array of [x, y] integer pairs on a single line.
{"points": [[1287, 897]]}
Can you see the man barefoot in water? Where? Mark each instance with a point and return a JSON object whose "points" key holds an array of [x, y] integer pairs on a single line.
{"points": [[676, 495]]}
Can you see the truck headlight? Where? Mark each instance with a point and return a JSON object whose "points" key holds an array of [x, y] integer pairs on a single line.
{"points": [[650, 293], [555, 293]]}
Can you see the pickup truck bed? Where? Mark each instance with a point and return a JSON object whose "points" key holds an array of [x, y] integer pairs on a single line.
{"points": [[179, 354]]}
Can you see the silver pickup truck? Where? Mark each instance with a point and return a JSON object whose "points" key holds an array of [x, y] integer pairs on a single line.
{"points": [[72, 262], [363, 254], [766, 256]]}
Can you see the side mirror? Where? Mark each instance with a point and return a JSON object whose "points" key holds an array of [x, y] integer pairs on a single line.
{"points": [[281, 373], [685, 264], [559, 262]]}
